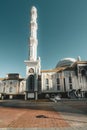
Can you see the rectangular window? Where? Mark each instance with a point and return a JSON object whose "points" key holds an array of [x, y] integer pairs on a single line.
{"points": [[80, 79], [70, 80], [58, 87], [47, 87], [47, 81], [64, 84], [3, 89], [70, 86], [58, 81], [10, 89]]}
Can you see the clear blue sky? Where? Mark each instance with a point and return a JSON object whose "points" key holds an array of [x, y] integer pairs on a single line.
{"points": [[62, 32]]}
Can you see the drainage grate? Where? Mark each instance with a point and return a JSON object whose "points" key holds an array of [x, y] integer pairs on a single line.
{"points": [[41, 116]]}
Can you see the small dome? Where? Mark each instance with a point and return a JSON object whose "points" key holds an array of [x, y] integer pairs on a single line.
{"points": [[65, 62]]}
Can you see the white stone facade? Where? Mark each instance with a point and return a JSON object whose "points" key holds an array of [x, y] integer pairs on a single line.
{"points": [[67, 79]]}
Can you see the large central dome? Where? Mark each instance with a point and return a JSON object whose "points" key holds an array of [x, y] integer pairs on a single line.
{"points": [[65, 62]]}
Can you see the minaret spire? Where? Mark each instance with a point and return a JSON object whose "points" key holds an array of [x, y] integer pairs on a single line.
{"points": [[33, 35], [33, 64]]}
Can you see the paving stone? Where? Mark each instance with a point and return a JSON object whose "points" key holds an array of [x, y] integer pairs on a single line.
{"points": [[21, 115]]}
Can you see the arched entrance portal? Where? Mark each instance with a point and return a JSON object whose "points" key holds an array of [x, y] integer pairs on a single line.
{"points": [[31, 83]]}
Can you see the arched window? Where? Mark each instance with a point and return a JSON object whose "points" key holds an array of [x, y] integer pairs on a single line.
{"points": [[31, 82]]}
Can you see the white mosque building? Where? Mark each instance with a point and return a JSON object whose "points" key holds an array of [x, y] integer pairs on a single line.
{"points": [[68, 79]]}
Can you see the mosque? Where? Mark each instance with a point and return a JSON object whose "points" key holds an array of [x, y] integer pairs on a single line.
{"points": [[67, 80]]}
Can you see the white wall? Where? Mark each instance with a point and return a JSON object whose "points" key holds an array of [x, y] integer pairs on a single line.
{"points": [[52, 76], [22, 88], [49, 76]]}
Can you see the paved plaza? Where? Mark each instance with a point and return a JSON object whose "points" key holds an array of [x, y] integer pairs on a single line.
{"points": [[62, 115]]}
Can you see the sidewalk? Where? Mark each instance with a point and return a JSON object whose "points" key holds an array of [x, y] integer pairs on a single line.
{"points": [[22, 115]]}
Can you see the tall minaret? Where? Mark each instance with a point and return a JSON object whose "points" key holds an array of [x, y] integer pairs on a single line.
{"points": [[33, 64], [33, 35]]}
